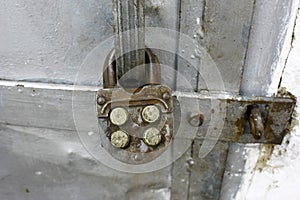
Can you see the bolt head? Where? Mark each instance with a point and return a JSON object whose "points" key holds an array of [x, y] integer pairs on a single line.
{"points": [[150, 114], [196, 120], [101, 100], [152, 136], [120, 139], [166, 96], [118, 116]]}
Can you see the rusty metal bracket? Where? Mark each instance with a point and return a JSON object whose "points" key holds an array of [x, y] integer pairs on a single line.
{"points": [[152, 94], [247, 119]]}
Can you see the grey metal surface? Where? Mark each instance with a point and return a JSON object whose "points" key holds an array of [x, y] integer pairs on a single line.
{"points": [[223, 28], [129, 34], [234, 170], [206, 173], [47, 41], [198, 178], [181, 175], [50, 108], [227, 28], [164, 14], [52, 164], [191, 24], [59, 107], [69, 30], [270, 25]]}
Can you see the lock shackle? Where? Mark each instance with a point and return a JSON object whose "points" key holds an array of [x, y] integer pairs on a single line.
{"points": [[152, 70], [109, 71]]}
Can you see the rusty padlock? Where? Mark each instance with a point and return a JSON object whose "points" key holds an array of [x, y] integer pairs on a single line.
{"points": [[137, 121]]}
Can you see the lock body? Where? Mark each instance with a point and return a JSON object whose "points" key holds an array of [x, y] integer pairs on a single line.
{"points": [[136, 119]]}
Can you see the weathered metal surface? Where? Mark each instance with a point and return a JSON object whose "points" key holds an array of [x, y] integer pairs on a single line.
{"points": [[41, 105], [191, 21], [222, 28], [181, 175], [148, 95], [48, 41], [163, 14], [129, 34], [199, 178], [143, 139], [266, 55], [265, 59], [234, 170], [68, 32], [151, 72], [205, 181], [276, 115], [146, 141], [52, 108], [226, 33], [256, 122], [59, 163], [53, 165]]}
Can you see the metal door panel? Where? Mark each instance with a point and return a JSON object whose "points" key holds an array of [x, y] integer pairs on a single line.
{"points": [[46, 42]]}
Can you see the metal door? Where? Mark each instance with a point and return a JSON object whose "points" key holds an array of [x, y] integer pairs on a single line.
{"points": [[45, 50]]}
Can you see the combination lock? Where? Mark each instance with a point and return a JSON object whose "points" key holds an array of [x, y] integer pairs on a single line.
{"points": [[137, 122]]}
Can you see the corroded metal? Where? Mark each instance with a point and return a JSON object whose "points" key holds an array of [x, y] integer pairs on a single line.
{"points": [[150, 114], [148, 95], [196, 120], [236, 127], [144, 114], [109, 71], [151, 72], [140, 109], [101, 100], [276, 114], [147, 141], [256, 123]]}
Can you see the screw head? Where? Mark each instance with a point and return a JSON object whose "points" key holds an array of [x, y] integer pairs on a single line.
{"points": [[166, 96], [119, 139], [101, 100], [196, 120], [152, 136], [118, 116], [150, 114]]}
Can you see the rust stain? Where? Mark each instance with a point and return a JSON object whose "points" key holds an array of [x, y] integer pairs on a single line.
{"points": [[264, 157], [239, 128]]}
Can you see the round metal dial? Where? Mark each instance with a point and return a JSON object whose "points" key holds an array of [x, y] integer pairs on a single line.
{"points": [[152, 136], [150, 114], [120, 139], [118, 116]]}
